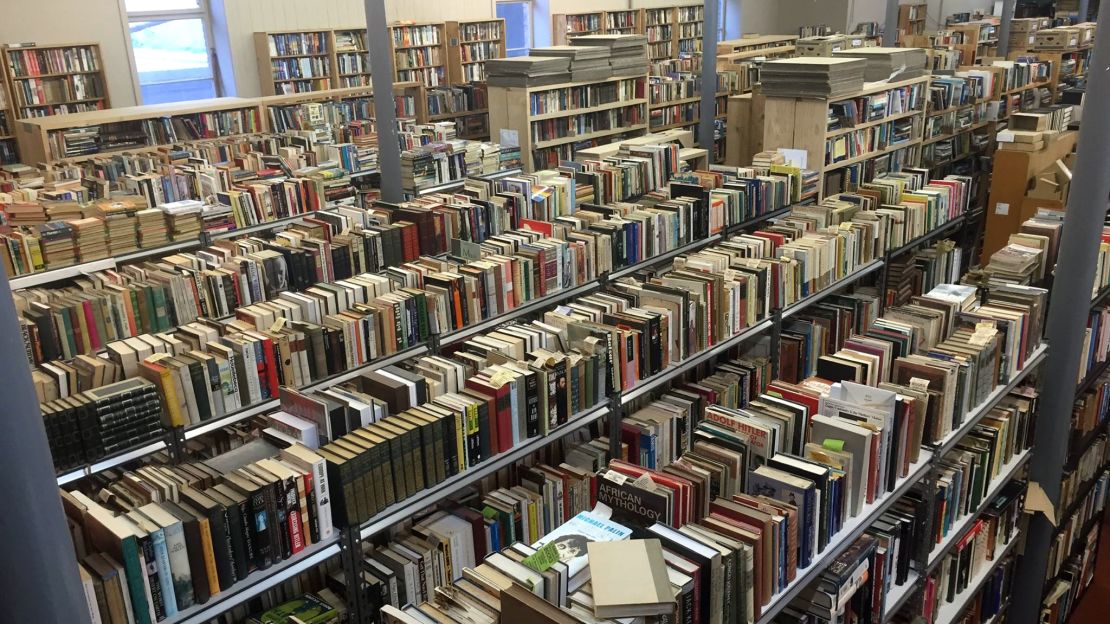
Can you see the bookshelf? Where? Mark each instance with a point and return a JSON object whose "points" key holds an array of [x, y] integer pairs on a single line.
{"points": [[80, 136], [1066, 64], [466, 104], [957, 131], [145, 127], [294, 61], [744, 56], [567, 25], [352, 59], [626, 22], [911, 19], [470, 45], [660, 29], [689, 21], [8, 151], [419, 52], [54, 79], [852, 153], [547, 132]]}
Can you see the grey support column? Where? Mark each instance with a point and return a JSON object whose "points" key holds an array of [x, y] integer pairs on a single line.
{"points": [[385, 112], [890, 27], [708, 111], [40, 582], [1084, 9], [1004, 27], [1067, 316]]}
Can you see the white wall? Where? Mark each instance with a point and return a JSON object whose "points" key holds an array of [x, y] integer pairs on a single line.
{"points": [[73, 21]]}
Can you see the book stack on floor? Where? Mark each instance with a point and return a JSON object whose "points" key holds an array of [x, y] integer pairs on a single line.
{"points": [[121, 224], [588, 63], [158, 540], [528, 71], [627, 53], [892, 64], [813, 77]]}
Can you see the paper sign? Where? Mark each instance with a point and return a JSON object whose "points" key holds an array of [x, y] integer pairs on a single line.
{"points": [[796, 157], [1036, 500], [278, 324], [1002, 208], [919, 384], [509, 138], [542, 559]]}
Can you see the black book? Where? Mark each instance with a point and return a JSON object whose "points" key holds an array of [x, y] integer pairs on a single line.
{"points": [[238, 526], [257, 530], [221, 535]]}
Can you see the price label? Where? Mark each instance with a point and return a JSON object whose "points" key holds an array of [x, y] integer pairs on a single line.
{"points": [[919, 384]]}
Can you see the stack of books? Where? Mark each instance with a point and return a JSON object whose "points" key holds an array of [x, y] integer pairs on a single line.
{"points": [[90, 239], [151, 226], [183, 219], [57, 240], [627, 53], [588, 63], [813, 77], [528, 71], [889, 63]]}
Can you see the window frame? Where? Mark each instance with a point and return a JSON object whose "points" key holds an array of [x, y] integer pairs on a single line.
{"points": [[530, 11], [202, 12]]}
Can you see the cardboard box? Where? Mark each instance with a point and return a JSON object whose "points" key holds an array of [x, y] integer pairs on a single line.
{"points": [[1086, 32], [821, 46], [1031, 122], [1025, 24], [1057, 39], [1020, 136], [1053, 183], [1022, 147]]}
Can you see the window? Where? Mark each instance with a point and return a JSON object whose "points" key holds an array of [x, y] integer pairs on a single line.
{"points": [[171, 44], [518, 26]]}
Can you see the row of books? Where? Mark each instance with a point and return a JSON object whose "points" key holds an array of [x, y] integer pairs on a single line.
{"points": [[585, 96], [457, 99], [970, 471], [155, 541], [300, 68], [295, 44], [291, 87], [405, 35], [872, 139], [34, 62], [73, 88], [146, 133], [1083, 468], [588, 123], [849, 113], [1075, 533], [985, 551]]}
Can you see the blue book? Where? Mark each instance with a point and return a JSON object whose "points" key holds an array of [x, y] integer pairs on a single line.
{"points": [[785, 487]]}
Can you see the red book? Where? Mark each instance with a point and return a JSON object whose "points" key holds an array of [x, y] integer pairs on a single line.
{"points": [[502, 408], [267, 369]]}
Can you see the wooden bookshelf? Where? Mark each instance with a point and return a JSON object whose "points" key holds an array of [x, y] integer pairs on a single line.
{"points": [[659, 26], [744, 56], [134, 128], [627, 22], [466, 104], [567, 25], [226, 117], [689, 21], [622, 114], [55, 79], [419, 52], [470, 45], [1065, 64], [294, 61], [9, 153], [351, 58], [911, 19], [802, 123]]}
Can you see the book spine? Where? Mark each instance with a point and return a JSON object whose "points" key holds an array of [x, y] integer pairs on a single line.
{"points": [[153, 571], [181, 578]]}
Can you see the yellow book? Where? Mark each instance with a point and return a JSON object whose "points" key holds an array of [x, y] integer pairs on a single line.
{"points": [[164, 379]]}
